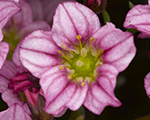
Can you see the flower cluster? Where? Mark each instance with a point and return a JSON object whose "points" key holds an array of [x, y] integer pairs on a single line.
{"points": [[56, 55]]}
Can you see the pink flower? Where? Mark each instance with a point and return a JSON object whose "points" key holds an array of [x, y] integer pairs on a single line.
{"points": [[17, 106], [15, 112], [20, 24], [147, 84], [44, 9], [16, 85], [78, 61], [139, 17], [7, 10], [96, 5]]}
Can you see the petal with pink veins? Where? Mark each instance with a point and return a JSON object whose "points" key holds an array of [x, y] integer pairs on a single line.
{"points": [[78, 97], [14, 112], [7, 10], [10, 98], [58, 104], [107, 78], [97, 99], [37, 52], [53, 83], [139, 17], [4, 48], [66, 26], [7, 72], [118, 46], [120, 54]]}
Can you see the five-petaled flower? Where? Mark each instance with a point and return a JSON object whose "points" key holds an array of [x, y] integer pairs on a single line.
{"points": [[78, 61]]}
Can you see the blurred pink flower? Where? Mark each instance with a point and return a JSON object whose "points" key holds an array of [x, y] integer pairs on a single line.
{"points": [[78, 61], [44, 9], [20, 24], [7, 10], [139, 17]]}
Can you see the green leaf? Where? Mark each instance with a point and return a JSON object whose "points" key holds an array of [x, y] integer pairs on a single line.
{"points": [[131, 5], [106, 16], [132, 30]]}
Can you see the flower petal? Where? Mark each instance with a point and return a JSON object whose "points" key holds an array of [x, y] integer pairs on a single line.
{"points": [[34, 26], [52, 79], [10, 98], [121, 54], [58, 104], [7, 72], [7, 10], [118, 46], [138, 17], [78, 97], [72, 19], [50, 7], [37, 9], [4, 48], [25, 16], [14, 112], [97, 99], [37, 52], [147, 84]]}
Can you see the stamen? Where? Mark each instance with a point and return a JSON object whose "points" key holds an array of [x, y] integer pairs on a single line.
{"points": [[67, 49], [60, 67], [91, 40], [82, 83], [83, 52], [79, 63], [100, 63], [99, 53], [64, 56], [79, 38], [69, 76]]}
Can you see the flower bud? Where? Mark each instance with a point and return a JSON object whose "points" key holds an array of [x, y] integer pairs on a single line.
{"points": [[96, 5]]}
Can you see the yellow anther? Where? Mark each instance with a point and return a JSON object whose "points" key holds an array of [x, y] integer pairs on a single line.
{"points": [[64, 56], [67, 49], [101, 63], [63, 46], [83, 52], [69, 76], [79, 38], [60, 67], [79, 63], [99, 53], [91, 40], [59, 51], [82, 83]]}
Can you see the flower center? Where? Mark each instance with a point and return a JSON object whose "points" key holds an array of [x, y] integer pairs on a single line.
{"points": [[82, 66]]}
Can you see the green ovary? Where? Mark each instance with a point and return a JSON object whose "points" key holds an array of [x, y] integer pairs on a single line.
{"points": [[84, 66], [82, 63]]}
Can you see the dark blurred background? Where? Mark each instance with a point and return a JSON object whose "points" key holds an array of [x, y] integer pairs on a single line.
{"points": [[130, 83]]}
